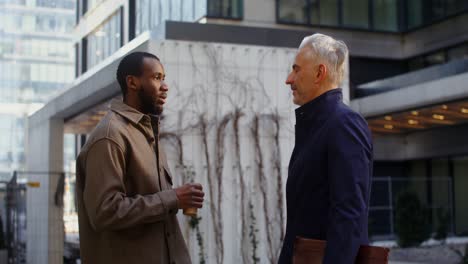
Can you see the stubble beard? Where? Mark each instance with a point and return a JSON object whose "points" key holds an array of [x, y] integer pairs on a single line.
{"points": [[149, 105]]}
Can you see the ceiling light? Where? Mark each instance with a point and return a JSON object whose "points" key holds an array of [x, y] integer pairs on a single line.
{"points": [[445, 107], [464, 110], [415, 113], [388, 126], [87, 123], [438, 117], [388, 118], [413, 122]]}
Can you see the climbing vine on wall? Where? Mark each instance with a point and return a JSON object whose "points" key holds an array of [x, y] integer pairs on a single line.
{"points": [[228, 118]]}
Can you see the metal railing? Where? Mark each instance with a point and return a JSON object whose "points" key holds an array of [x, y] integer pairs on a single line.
{"points": [[434, 193]]}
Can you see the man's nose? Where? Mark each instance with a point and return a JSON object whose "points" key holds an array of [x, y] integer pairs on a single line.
{"points": [[164, 87], [290, 80]]}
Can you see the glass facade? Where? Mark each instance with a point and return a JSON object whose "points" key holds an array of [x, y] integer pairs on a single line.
{"points": [[421, 13], [12, 141], [385, 14], [36, 61], [66, 4], [414, 13], [328, 12], [150, 14], [356, 13], [104, 40], [378, 15], [225, 9], [294, 11], [144, 15]]}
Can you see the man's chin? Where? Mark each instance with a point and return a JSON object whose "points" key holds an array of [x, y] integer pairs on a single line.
{"points": [[158, 110], [296, 102]]}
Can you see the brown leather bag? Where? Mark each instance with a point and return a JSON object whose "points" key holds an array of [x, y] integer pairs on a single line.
{"points": [[311, 251]]}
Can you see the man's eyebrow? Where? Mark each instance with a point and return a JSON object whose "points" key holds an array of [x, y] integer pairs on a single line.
{"points": [[296, 67], [159, 73]]}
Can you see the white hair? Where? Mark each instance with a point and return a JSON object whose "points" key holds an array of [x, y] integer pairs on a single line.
{"points": [[330, 52]]}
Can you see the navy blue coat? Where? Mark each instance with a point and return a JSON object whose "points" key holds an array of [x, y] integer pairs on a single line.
{"points": [[329, 179]]}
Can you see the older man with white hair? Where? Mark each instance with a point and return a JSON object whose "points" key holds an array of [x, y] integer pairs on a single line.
{"points": [[328, 184]]}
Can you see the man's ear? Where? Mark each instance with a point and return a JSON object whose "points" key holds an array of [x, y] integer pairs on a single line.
{"points": [[321, 73], [133, 83]]}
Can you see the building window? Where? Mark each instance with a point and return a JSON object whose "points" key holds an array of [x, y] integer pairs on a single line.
{"points": [[84, 7], [420, 13], [356, 13], [142, 16], [414, 13], [293, 11], [328, 14], [175, 12], [15, 2], [66, 4], [59, 24], [84, 55], [380, 15], [226, 8], [77, 59], [77, 12], [149, 14], [104, 40], [385, 14]]}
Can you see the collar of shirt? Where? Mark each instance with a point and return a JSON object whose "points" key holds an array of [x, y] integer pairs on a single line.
{"points": [[320, 107], [148, 124]]}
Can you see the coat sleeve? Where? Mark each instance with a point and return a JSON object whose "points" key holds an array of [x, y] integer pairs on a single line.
{"points": [[104, 194], [349, 166]]}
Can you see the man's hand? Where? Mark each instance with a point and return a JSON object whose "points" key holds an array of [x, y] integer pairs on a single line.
{"points": [[190, 195]]}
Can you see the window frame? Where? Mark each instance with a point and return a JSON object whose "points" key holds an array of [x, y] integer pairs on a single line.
{"points": [[240, 4], [402, 14]]}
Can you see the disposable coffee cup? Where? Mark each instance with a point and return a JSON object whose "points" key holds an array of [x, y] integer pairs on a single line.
{"points": [[192, 211]]}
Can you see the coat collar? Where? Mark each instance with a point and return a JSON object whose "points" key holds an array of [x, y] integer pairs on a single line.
{"points": [[149, 123], [320, 107], [126, 111]]}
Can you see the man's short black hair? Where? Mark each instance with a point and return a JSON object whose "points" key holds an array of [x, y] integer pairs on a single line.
{"points": [[131, 64]]}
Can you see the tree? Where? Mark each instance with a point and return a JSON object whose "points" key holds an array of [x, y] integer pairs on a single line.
{"points": [[412, 225]]}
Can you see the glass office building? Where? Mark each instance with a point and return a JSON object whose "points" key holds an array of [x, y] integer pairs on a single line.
{"points": [[36, 61]]}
